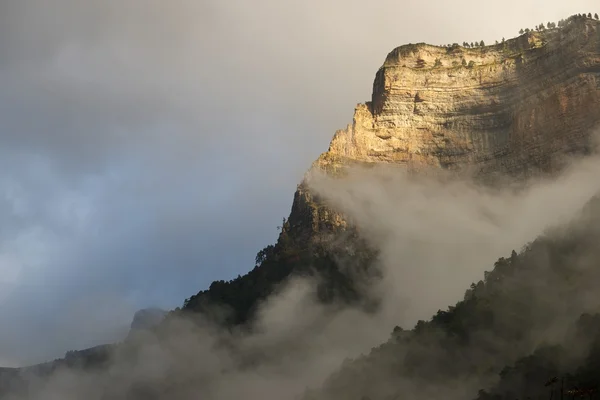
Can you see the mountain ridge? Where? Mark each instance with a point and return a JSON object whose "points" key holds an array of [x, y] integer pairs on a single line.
{"points": [[423, 117]]}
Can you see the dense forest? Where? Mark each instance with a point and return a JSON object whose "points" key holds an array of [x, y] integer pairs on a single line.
{"points": [[529, 328]]}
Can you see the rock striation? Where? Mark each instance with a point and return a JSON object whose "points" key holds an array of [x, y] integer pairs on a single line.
{"points": [[516, 108]]}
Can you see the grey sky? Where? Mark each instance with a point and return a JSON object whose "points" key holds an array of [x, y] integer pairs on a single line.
{"points": [[150, 147]]}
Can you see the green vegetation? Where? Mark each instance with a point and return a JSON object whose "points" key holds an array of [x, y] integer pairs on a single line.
{"points": [[538, 28], [561, 24], [274, 264], [500, 330], [491, 344]]}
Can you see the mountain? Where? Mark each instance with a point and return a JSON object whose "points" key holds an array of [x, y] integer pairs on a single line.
{"points": [[147, 318], [533, 317], [516, 109]]}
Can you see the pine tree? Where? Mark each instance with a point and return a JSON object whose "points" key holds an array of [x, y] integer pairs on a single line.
{"points": [[482, 43], [522, 31], [596, 15]]}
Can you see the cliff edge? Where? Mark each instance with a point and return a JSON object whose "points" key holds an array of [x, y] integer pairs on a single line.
{"points": [[516, 108]]}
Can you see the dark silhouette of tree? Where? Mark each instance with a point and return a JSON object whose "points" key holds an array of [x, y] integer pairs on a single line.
{"points": [[482, 43], [438, 63], [527, 30], [596, 15], [522, 31], [472, 44], [502, 40], [471, 64], [589, 15], [262, 255], [464, 62]]}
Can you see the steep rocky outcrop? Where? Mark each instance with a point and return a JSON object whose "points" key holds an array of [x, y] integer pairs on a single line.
{"points": [[520, 103], [515, 108], [518, 108]]}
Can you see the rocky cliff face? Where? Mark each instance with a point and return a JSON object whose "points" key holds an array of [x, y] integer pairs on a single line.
{"points": [[516, 108]]}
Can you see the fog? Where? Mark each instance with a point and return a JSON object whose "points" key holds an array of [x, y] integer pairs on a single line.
{"points": [[149, 148], [436, 235]]}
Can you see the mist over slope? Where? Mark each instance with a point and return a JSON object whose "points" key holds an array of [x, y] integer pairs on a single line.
{"points": [[371, 250], [439, 238], [525, 303]]}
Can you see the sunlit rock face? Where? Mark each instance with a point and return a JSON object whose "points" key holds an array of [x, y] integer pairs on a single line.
{"points": [[514, 108], [519, 103]]}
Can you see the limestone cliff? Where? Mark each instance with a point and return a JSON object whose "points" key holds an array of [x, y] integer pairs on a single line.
{"points": [[516, 108], [513, 108]]}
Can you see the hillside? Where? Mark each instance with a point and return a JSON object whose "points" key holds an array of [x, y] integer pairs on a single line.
{"points": [[534, 316], [513, 110], [520, 110]]}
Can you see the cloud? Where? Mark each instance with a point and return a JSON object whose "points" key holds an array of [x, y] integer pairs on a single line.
{"points": [[436, 236], [142, 141], [437, 233]]}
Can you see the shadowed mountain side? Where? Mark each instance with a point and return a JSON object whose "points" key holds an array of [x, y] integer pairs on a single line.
{"points": [[528, 303], [521, 108]]}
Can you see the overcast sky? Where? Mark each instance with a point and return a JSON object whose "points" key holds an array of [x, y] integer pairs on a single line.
{"points": [[149, 147]]}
